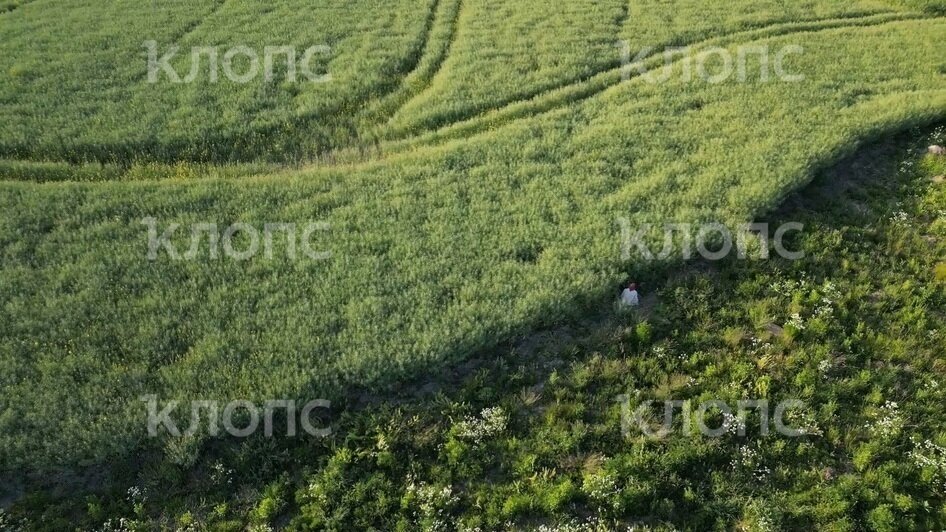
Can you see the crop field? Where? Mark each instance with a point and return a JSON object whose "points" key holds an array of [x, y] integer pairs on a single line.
{"points": [[466, 166], [84, 97]]}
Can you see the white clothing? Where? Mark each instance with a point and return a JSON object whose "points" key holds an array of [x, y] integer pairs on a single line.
{"points": [[629, 298]]}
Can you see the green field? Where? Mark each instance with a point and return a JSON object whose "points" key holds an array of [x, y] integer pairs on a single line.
{"points": [[74, 94], [469, 158]]}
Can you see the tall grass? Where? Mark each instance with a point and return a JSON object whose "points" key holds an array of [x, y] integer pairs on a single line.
{"points": [[74, 87], [436, 253]]}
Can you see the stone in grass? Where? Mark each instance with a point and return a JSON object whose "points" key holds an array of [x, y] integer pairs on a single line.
{"points": [[939, 179], [937, 150]]}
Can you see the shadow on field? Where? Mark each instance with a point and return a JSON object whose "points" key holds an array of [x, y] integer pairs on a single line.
{"points": [[837, 198]]}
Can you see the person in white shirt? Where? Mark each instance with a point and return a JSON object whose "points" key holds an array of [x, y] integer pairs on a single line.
{"points": [[629, 297]]}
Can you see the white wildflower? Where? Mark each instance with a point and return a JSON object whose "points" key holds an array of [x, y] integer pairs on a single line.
{"points": [[890, 421], [796, 322], [137, 495], [749, 460], [931, 456], [219, 474], [118, 525], [590, 524], [492, 421], [433, 504]]}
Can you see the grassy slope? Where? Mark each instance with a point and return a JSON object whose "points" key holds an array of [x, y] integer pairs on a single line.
{"points": [[871, 307], [426, 246]]}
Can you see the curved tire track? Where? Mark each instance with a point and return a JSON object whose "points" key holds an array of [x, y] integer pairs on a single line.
{"points": [[555, 98], [433, 54]]}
